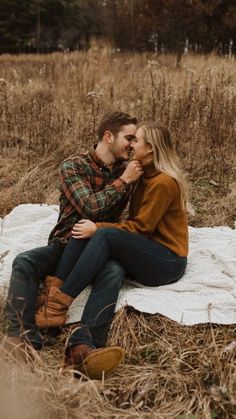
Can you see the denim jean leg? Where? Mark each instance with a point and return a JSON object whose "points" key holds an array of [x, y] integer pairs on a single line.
{"points": [[71, 254], [28, 270], [146, 261], [100, 307]]}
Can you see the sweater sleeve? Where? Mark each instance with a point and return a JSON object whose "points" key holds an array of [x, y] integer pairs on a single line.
{"points": [[154, 205]]}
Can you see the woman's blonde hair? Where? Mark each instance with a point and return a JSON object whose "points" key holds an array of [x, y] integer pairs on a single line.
{"points": [[165, 158]]}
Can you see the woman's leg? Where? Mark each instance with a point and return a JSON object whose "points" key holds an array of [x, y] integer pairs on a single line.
{"points": [[71, 254], [146, 261], [100, 306]]}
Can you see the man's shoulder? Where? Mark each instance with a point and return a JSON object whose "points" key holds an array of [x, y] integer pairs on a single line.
{"points": [[78, 160]]}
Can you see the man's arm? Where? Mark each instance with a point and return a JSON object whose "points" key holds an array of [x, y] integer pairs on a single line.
{"points": [[79, 192]]}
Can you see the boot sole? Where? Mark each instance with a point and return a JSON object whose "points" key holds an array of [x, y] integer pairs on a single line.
{"points": [[101, 362]]}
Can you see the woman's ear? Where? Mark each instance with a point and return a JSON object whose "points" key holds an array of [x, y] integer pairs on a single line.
{"points": [[150, 149]]}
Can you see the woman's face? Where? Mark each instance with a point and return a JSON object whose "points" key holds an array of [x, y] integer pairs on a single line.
{"points": [[142, 150]]}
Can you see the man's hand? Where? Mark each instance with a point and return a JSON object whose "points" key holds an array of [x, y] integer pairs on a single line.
{"points": [[132, 172], [84, 229]]}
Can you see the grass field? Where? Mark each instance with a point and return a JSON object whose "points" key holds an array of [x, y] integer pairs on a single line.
{"points": [[49, 109]]}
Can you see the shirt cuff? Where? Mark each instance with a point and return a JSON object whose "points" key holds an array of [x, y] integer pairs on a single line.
{"points": [[120, 184]]}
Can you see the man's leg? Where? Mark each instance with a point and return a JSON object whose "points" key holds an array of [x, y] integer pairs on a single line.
{"points": [[100, 307], [28, 270], [81, 349]]}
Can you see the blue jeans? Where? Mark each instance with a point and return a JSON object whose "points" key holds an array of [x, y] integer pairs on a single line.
{"points": [[100, 307], [28, 271], [145, 261]]}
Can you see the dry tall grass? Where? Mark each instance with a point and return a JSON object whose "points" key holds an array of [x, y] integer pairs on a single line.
{"points": [[50, 106], [49, 109], [170, 371]]}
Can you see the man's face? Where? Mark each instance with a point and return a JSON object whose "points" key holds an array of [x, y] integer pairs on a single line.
{"points": [[121, 144]]}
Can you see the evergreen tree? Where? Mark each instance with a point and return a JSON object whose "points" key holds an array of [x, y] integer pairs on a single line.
{"points": [[139, 25]]}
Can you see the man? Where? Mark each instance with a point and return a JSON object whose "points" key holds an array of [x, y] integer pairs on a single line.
{"points": [[94, 185]]}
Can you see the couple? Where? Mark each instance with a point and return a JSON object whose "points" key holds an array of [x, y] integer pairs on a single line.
{"points": [[90, 246]]}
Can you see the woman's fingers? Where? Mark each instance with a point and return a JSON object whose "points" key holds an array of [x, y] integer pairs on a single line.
{"points": [[77, 231], [83, 229], [77, 234]]}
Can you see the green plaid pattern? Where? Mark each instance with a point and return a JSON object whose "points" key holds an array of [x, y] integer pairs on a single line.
{"points": [[89, 189]]}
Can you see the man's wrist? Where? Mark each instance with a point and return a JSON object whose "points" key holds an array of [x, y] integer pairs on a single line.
{"points": [[124, 181]]}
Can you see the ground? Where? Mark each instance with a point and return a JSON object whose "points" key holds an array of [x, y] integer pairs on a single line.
{"points": [[49, 108]]}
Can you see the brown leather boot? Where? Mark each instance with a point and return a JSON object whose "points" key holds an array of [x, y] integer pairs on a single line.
{"points": [[93, 362], [54, 312], [17, 348], [47, 283]]}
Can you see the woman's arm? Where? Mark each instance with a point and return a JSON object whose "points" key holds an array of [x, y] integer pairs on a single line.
{"points": [[155, 202]]}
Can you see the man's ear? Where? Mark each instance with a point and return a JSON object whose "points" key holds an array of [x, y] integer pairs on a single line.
{"points": [[109, 137]]}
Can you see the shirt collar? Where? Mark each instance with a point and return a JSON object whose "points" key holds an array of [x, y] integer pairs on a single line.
{"points": [[94, 157]]}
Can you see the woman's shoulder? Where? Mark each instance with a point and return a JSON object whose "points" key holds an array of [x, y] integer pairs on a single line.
{"points": [[164, 179], [164, 182]]}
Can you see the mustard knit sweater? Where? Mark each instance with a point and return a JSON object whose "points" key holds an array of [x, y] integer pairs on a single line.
{"points": [[155, 212]]}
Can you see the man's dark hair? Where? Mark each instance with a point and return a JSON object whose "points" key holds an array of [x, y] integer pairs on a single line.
{"points": [[113, 121]]}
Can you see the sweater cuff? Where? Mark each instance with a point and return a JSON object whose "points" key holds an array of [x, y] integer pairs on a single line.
{"points": [[104, 224]]}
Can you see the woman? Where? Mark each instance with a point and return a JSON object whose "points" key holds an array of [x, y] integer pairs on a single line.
{"points": [[152, 245]]}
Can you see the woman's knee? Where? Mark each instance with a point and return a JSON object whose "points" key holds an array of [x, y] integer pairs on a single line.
{"points": [[107, 233]]}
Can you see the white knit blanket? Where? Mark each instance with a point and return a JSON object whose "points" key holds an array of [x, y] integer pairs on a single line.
{"points": [[206, 293]]}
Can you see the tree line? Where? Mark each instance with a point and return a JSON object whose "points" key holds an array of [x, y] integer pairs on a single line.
{"points": [[130, 25]]}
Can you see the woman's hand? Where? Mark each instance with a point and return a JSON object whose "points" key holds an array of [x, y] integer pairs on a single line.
{"points": [[84, 229]]}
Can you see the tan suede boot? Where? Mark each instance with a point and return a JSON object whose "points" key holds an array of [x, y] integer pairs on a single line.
{"points": [[54, 312], [93, 362], [47, 283]]}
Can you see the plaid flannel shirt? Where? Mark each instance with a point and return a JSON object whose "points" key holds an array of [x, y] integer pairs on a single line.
{"points": [[89, 189]]}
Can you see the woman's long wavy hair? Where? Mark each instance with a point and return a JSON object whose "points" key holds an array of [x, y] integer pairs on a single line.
{"points": [[165, 158]]}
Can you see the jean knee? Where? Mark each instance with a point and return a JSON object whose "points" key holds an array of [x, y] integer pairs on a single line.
{"points": [[107, 232], [20, 259], [115, 267], [114, 272], [24, 264]]}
